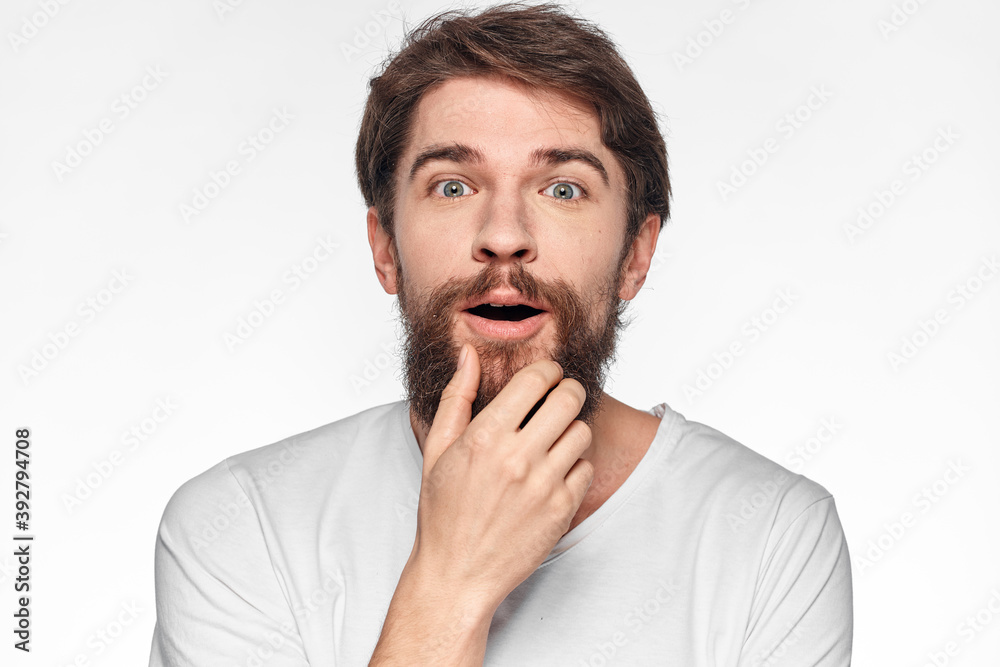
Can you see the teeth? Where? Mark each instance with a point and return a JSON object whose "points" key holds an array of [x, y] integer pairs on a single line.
{"points": [[498, 305]]}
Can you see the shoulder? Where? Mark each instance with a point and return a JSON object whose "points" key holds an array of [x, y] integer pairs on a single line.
{"points": [[223, 495], [313, 452], [733, 482]]}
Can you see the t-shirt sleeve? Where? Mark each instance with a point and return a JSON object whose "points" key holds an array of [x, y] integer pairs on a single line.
{"points": [[219, 600], [802, 611]]}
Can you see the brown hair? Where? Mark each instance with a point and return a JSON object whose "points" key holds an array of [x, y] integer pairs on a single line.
{"points": [[540, 46]]}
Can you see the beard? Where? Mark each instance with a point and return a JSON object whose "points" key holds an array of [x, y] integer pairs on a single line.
{"points": [[430, 353]]}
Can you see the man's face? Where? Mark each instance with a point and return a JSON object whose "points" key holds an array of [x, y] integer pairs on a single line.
{"points": [[506, 196]]}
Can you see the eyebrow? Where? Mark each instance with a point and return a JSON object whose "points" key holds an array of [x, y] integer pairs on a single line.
{"points": [[459, 153], [560, 155], [463, 154]]}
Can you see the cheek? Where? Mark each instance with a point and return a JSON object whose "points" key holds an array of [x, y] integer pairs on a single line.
{"points": [[595, 256], [426, 258]]}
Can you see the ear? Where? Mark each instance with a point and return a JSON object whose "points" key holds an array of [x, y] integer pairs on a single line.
{"points": [[383, 252], [640, 257]]}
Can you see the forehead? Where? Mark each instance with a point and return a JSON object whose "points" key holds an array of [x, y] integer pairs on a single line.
{"points": [[506, 120]]}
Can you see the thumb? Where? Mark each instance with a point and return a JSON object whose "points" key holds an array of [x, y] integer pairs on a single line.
{"points": [[455, 408]]}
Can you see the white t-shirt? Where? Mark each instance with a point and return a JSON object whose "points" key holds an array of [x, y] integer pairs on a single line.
{"points": [[708, 555]]}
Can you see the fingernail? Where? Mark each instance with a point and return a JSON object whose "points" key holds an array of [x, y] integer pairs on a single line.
{"points": [[462, 356]]}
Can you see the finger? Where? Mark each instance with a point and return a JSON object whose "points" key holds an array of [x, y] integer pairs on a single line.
{"points": [[525, 389], [568, 448], [560, 408], [455, 408], [579, 479]]}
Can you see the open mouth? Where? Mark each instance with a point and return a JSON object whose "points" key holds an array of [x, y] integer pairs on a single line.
{"points": [[499, 312]]}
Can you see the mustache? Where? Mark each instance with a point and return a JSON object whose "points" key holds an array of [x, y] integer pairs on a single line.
{"points": [[491, 277]]}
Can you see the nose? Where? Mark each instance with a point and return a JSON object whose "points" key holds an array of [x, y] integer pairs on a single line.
{"points": [[504, 235]]}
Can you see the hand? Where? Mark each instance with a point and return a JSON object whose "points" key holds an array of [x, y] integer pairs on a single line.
{"points": [[495, 498]]}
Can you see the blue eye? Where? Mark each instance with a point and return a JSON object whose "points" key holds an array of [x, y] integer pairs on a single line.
{"points": [[451, 188], [566, 191]]}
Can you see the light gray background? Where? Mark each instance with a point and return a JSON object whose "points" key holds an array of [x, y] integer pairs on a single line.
{"points": [[321, 355]]}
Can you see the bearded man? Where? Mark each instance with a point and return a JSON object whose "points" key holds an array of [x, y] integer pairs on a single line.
{"points": [[517, 183]]}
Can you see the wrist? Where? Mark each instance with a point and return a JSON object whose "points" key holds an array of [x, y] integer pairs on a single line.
{"points": [[429, 623], [430, 587]]}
